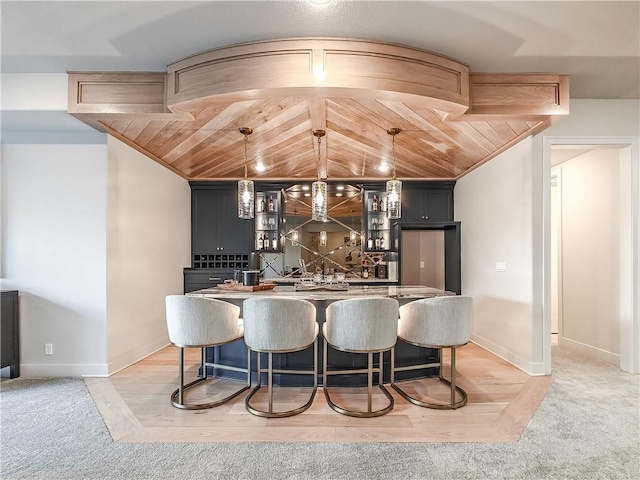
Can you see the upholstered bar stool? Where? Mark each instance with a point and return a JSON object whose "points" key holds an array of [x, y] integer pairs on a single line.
{"points": [[279, 325], [197, 322], [361, 325], [441, 322]]}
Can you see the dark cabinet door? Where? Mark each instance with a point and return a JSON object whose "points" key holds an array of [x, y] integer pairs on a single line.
{"points": [[234, 234], [427, 203], [204, 224], [215, 226]]}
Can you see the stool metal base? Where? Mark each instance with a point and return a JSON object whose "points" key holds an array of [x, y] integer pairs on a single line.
{"points": [[177, 397], [452, 405], [370, 413], [270, 413]]}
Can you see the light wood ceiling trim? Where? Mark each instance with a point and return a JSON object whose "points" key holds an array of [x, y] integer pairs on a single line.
{"points": [[188, 119], [349, 67]]}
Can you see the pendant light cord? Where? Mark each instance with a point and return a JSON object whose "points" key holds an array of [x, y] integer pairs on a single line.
{"points": [[319, 141], [245, 155], [393, 154]]}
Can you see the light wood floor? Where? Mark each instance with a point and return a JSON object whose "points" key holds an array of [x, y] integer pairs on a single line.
{"points": [[136, 408]]}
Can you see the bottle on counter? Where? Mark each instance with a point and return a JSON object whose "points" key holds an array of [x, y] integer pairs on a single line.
{"points": [[383, 204], [262, 205], [374, 204], [272, 206], [260, 243], [370, 242], [382, 242], [376, 242], [365, 269], [274, 242]]}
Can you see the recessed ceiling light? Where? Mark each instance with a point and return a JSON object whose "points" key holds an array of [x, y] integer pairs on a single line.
{"points": [[384, 167], [340, 187], [338, 194], [307, 194], [305, 187], [260, 167]]}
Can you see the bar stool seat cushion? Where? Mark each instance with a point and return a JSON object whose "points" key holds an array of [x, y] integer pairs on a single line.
{"points": [[199, 321], [361, 324], [268, 324], [436, 322]]}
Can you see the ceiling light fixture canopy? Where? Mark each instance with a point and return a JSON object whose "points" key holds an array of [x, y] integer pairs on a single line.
{"points": [[246, 196], [319, 189], [394, 187]]}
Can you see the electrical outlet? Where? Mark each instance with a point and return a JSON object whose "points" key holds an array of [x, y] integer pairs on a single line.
{"points": [[48, 348], [501, 266], [421, 264]]}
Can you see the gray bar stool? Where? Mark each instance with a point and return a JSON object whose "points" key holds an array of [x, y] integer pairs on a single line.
{"points": [[361, 325], [279, 325], [197, 322], [441, 322]]}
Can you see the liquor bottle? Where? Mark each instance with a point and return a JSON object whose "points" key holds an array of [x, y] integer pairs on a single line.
{"points": [[383, 205], [274, 242], [377, 242], [271, 204], [260, 243], [382, 243], [374, 203], [262, 205], [370, 243], [365, 270]]}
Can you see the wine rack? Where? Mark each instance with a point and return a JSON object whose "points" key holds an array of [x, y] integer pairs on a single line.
{"points": [[221, 260]]}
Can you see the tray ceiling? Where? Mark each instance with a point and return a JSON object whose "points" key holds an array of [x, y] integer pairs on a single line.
{"points": [[188, 118]]}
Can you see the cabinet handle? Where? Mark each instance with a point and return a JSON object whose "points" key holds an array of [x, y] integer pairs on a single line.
{"points": [[211, 279]]}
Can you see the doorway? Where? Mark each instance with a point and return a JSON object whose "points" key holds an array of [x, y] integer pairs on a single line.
{"points": [[592, 250]]}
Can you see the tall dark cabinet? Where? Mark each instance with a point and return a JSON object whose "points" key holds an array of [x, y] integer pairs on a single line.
{"points": [[10, 333], [220, 241]]}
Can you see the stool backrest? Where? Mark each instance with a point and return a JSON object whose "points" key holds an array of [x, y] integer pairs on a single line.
{"points": [[199, 321], [362, 324], [278, 324], [439, 321]]}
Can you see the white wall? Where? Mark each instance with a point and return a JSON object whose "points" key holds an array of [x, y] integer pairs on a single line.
{"points": [[148, 245], [589, 207], [54, 251], [493, 203]]}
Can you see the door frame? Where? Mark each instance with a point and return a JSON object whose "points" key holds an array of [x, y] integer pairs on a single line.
{"points": [[630, 276]]}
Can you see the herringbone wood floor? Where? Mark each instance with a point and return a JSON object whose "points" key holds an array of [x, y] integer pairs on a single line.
{"points": [[136, 408]]}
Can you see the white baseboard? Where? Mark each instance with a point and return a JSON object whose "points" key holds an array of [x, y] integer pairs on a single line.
{"points": [[129, 358], [514, 359], [589, 351], [63, 370]]}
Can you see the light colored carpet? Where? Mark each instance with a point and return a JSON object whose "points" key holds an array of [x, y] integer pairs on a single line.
{"points": [[587, 427]]}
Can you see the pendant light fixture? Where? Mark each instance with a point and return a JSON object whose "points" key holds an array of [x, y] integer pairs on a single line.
{"points": [[394, 187], [246, 195], [319, 189], [323, 238]]}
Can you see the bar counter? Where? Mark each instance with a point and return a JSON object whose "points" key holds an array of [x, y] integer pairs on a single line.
{"points": [[328, 293], [235, 354]]}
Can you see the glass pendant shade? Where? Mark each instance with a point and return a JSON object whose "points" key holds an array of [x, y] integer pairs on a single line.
{"points": [[323, 238], [394, 196], [294, 238], [319, 201], [352, 235], [245, 199]]}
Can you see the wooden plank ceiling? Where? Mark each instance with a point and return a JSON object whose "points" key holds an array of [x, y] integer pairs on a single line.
{"points": [[191, 124]]}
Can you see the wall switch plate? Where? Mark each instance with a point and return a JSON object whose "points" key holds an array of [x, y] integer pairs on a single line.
{"points": [[501, 266], [48, 348], [421, 264]]}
